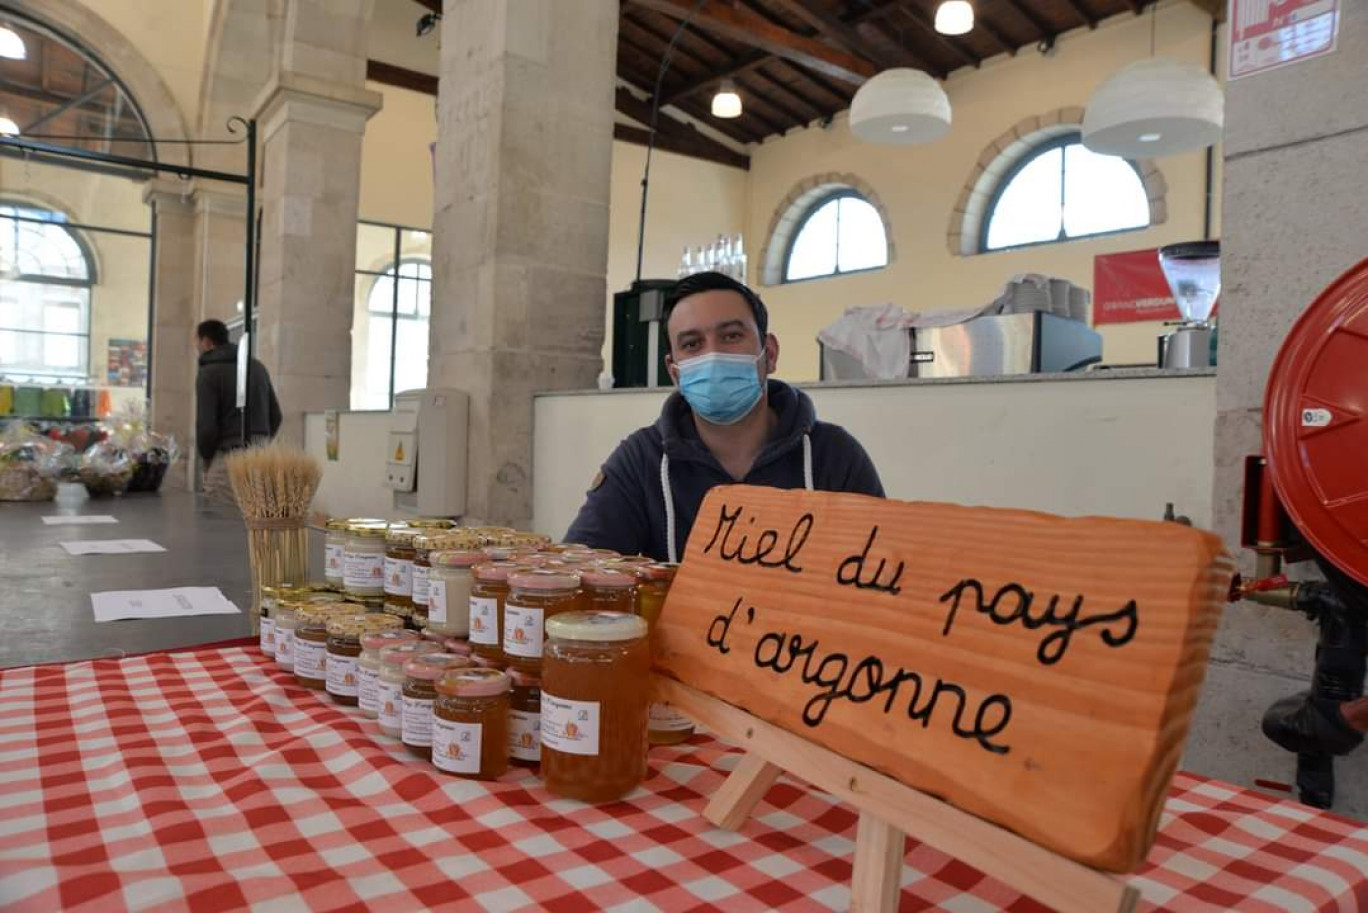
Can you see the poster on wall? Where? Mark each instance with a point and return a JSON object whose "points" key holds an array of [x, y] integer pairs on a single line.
{"points": [[127, 363], [1130, 288], [1267, 34]]}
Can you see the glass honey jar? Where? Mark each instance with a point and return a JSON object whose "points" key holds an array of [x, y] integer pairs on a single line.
{"points": [[534, 596], [334, 551], [311, 641], [389, 684], [420, 692], [363, 562], [594, 688], [668, 726], [524, 719], [399, 555], [608, 589], [488, 593], [449, 590], [368, 666], [344, 652], [470, 724]]}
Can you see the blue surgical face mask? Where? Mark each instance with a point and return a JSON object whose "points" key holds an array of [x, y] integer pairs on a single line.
{"points": [[721, 388]]}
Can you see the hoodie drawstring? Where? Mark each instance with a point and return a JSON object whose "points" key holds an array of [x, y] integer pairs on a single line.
{"points": [[670, 545]]}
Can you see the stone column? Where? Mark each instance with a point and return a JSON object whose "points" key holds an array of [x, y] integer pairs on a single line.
{"points": [[172, 351], [1295, 216], [220, 250], [310, 131], [524, 155]]}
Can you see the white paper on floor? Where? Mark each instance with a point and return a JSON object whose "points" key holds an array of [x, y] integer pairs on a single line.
{"points": [[79, 520], [112, 547], [173, 603]]}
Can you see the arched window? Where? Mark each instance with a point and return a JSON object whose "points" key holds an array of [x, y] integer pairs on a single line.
{"points": [[840, 233], [45, 279], [1060, 191], [398, 307]]}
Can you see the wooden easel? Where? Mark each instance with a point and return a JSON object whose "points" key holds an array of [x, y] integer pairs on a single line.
{"points": [[889, 811]]}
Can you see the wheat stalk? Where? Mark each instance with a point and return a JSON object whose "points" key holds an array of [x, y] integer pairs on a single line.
{"points": [[274, 485]]}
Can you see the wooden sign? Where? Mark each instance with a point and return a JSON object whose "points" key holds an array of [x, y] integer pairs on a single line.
{"points": [[1035, 671]]}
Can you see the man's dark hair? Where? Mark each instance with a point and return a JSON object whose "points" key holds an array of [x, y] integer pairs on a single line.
{"points": [[216, 331], [712, 282]]}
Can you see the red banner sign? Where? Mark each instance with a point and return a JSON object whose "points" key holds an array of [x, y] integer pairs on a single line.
{"points": [[1131, 288]]}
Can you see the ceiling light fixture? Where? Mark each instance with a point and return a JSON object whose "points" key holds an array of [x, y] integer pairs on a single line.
{"points": [[900, 107], [726, 103], [955, 17], [11, 45], [8, 127], [1154, 107]]}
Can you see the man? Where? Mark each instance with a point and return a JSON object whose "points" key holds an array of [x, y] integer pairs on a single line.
{"points": [[727, 422], [218, 422]]}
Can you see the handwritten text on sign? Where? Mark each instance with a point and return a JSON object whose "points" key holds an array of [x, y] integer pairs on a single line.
{"points": [[1031, 669]]}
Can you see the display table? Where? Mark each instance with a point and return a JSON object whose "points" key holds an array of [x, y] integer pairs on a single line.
{"points": [[208, 780]]}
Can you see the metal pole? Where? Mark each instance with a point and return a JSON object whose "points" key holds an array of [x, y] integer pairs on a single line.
{"points": [[249, 284]]}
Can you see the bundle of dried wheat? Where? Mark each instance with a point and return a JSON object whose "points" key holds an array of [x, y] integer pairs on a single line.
{"points": [[274, 485]]}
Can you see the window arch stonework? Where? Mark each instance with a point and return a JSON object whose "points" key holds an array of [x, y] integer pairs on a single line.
{"points": [[793, 209], [1000, 156]]}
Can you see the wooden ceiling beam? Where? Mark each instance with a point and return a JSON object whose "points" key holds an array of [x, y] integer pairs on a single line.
{"points": [[924, 22], [1082, 12], [388, 74], [992, 31], [680, 145], [432, 6], [745, 27], [835, 28], [738, 67], [1044, 31], [640, 111], [811, 112]]}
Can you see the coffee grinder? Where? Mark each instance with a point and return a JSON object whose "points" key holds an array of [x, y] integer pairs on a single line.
{"points": [[1193, 271]]}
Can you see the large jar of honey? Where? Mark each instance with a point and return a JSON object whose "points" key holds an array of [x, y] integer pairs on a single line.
{"points": [[488, 593], [668, 726], [399, 555], [311, 641], [420, 693], [594, 704], [608, 589], [470, 724], [524, 719], [344, 652], [449, 583], [534, 596]]}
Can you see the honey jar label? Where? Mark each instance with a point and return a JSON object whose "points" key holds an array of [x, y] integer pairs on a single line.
{"points": [[421, 577], [362, 570], [664, 718], [437, 602], [389, 706], [398, 576], [484, 621], [342, 675], [366, 683], [524, 735], [332, 559], [268, 637], [570, 726], [456, 746], [523, 631], [310, 660], [417, 722]]}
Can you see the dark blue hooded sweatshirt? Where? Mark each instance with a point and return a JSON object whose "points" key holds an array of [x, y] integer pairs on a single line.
{"points": [[626, 507]]}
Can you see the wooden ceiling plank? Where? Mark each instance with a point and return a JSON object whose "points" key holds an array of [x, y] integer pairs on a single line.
{"points": [[958, 49], [995, 33], [432, 6], [682, 145], [681, 49], [1044, 31], [827, 23], [916, 58], [738, 67], [811, 110], [1083, 13], [640, 111], [745, 27]]}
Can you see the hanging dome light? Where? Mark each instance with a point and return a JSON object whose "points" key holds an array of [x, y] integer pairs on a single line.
{"points": [[11, 45], [726, 103], [900, 107], [955, 17], [1154, 107], [8, 127]]}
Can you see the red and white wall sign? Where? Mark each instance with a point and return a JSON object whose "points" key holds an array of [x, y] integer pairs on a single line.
{"points": [[1266, 34]]}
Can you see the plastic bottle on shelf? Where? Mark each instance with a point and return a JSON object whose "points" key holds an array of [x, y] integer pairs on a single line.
{"points": [[738, 259], [685, 264]]}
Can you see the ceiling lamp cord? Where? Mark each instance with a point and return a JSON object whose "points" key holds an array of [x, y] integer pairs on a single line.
{"points": [[650, 140]]}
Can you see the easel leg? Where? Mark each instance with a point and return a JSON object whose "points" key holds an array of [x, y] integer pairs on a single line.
{"points": [[742, 791], [877, 877]]}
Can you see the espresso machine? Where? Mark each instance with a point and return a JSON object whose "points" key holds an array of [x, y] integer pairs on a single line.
{"points": [[1193, 270]]}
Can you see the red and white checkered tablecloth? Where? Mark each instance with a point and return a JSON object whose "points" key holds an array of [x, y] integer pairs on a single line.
{"points": [[206, 780]]}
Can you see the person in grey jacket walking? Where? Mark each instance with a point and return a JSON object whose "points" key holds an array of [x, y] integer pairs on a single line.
{"points": [[218, 420], [728, 422]]}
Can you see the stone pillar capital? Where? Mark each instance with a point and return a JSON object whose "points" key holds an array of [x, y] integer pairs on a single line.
{"points": [[217, 198], [294, 97], [168, 195]]}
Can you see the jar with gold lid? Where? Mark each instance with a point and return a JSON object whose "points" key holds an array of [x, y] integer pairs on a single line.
{"points": [[423, 546], [399, 555], [368, 666], [420, 692], [344, 652], [311, 641], [270, 599], [533, 597], [449, 585], [286, 614], [430, 523], [334, 551], [389, 687], [470, 724], [594, 704], [363, 568]]}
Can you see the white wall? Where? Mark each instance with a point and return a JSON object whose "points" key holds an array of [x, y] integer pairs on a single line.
{"points": [[351, 487], [1121, 447]]}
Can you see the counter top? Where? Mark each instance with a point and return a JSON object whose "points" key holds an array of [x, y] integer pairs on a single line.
{"points": [[1112, 374]]}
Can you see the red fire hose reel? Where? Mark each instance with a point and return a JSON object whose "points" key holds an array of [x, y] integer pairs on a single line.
{"points": [[1315, 429]]}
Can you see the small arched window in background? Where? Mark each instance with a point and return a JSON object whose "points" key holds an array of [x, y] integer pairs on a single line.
{"points": [[841, 233], [1062, 191], [45, 279]]}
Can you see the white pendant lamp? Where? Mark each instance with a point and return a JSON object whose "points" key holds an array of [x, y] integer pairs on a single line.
{"points": [[726, 103], [8, 127], [955, 17], [1154, 107], [900, 107], [11, 45]]}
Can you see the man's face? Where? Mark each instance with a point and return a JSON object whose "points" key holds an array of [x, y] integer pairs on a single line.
{"points": [[202, 344], [718, 320]]}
